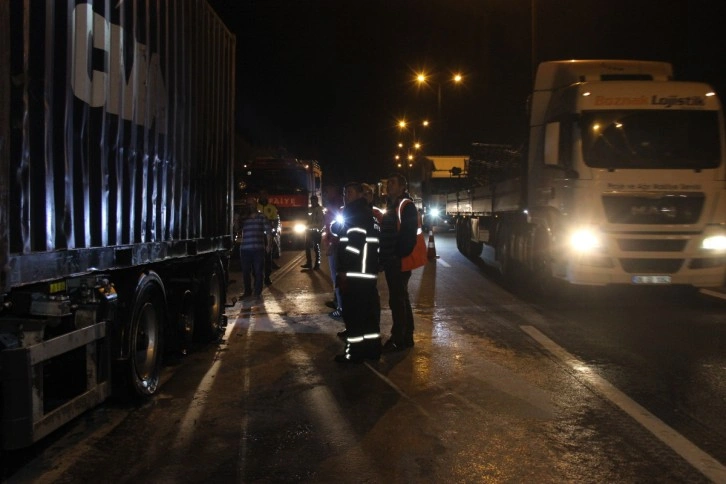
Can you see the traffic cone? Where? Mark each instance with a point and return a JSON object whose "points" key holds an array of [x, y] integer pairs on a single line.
{"points": [[432, 247]]}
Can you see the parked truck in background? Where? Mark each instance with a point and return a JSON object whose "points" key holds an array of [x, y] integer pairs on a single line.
{"points": [[116, 145], [289, 183], [622, 181]]}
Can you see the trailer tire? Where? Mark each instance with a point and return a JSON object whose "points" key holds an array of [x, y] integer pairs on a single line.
{"points": [[187, 318], [212, 298], [146, 336], [466, 238], [459, 235], [504, 257], [543, 282], [475, 248]]}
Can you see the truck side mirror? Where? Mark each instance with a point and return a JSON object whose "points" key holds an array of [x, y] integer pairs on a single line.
{"points": [[552, 144]]}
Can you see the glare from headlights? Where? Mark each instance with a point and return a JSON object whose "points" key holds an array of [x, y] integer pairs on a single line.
{"points": [[299, 228], [716, 242], [339, 219], [585, 240], [435, 212]]}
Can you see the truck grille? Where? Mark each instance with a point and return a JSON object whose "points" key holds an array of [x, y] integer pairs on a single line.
{"points": [[651, 245], [651, 266], [653, 210]]}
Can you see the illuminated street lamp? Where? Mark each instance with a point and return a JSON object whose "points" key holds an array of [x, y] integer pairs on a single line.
{"points": [[412, 145], [423, 78], [403, 124]]}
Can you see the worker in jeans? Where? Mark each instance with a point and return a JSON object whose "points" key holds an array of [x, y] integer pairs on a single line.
{"points": [[269, 210]]}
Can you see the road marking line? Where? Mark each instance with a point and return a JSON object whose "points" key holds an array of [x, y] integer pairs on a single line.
{"points": [[189, 423], [699, 459], [717, 294], [390, 383], [442, 262], [244, 419], [322, 405]]}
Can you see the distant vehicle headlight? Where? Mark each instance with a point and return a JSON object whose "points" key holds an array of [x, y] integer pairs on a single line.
{"points": [[585, 240], [299, 228]]}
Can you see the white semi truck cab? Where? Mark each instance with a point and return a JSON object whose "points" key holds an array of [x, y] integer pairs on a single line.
{"points": [[624, 180]]}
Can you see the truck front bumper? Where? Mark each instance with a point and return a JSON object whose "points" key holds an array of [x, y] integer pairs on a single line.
{"points": [[604, 270]]}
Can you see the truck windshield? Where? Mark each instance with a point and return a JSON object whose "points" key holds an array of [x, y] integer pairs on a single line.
{"points": [[277, 181], [650, 139]]}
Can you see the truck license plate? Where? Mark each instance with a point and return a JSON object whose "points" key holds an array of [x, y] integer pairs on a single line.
{"points": [[651, 279]]}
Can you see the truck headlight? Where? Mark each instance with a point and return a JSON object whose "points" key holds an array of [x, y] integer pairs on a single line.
{"points": [[585, 240], [715, 243], [299, 228]]}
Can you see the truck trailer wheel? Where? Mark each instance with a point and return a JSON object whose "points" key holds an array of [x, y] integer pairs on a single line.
{"points": [[475, 249], [211, 299], [542, 281], [146, 336], [504, 258], [459, 235]]}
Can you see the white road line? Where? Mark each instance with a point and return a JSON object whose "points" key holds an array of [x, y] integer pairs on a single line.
{"points": [[191, 419], [390, 383], [703, 462], [442, 262], [322, 406], [711, 293], [244, 421]]}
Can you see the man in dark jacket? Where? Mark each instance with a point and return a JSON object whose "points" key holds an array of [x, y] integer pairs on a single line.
{"points": [[357, 275], [398, 239]]}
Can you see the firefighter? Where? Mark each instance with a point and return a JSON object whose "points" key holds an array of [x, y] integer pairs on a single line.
{"points": [[358, 276]]}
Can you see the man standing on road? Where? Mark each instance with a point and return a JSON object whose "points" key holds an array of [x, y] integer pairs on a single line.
{"points": [[313, 234], [270, 212], [399, 229], [357, 277], [333, 209], [256, 243]]}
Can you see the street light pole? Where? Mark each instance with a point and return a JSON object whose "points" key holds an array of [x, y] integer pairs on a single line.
{"points": [[412, 153], [423, 78], [533, 34]]}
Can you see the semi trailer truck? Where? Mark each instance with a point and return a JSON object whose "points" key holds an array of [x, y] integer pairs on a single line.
{"points": [[622, 180], [116, 146]]}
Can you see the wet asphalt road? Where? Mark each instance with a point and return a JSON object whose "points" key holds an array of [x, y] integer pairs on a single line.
{"points": [[616, 386]]}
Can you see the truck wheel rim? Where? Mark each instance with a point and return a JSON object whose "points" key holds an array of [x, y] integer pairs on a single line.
{"points": [[215, 294], [146, 345]]}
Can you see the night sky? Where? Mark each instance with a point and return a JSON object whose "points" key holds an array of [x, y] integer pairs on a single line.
{"points": [[328, 79]]}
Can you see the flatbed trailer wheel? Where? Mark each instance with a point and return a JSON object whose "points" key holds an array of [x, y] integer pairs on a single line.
{"points": [[504, 258]]}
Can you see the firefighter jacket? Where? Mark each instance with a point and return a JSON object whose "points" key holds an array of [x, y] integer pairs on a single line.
{"points": [[358, 241]]}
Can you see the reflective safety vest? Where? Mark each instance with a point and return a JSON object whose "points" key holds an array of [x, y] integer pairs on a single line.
{"points": [[419, 255]]}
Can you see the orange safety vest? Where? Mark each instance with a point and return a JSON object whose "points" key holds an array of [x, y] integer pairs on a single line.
{"points": [[419, 255]]}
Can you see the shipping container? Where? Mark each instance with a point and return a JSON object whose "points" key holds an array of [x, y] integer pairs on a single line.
{"points": [[116, 156]]}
